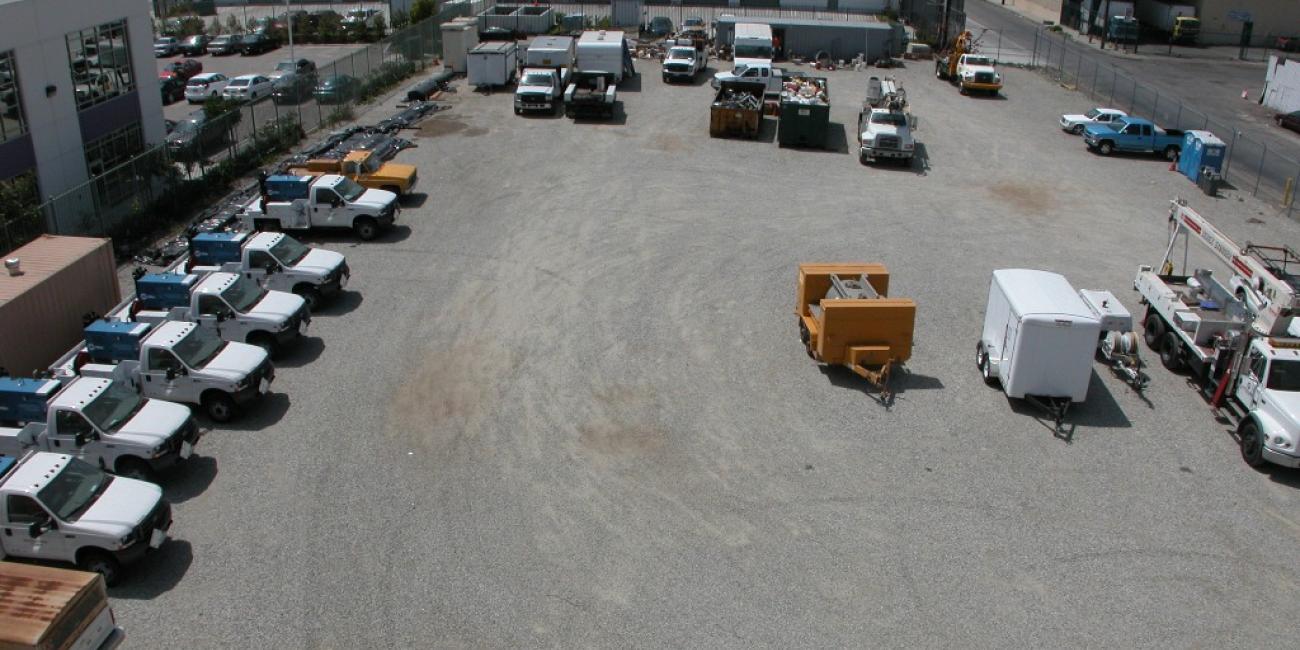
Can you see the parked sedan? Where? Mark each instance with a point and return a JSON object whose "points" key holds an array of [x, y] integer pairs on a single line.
{"points": [[227, 44], [195, 135], [203, 87], [173, 89], [165, 46], [301, 66], [1077, 123], [248, 87], [337, 89], [292, 88], [1289, 120], [256, 43], [182, 70], [196, 45]]}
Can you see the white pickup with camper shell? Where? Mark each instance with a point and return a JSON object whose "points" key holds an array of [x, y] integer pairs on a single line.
{"points": [[100, 421]]}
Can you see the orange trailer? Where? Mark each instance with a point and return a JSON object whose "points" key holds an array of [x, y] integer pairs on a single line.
{"points": [[846, 318]]}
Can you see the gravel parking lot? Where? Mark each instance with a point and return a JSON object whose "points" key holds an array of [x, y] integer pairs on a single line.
{"points": [[564, 404], [235, 65]]}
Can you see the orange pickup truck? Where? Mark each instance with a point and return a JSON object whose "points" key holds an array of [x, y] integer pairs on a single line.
{"points": [[367, 170]]}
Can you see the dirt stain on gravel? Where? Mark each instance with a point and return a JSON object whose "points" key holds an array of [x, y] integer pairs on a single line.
{"points": [[626, 423], [1027, 198], [669, 142], [449, 394]]}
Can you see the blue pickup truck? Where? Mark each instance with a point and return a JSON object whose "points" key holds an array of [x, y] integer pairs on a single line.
{"points": [[1135, 135]]}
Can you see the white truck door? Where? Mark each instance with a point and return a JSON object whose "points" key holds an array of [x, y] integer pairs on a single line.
{"points": [[1248, 386], [21, 511], [325, 208], [67, 425], [162, 376], [214, 316]]}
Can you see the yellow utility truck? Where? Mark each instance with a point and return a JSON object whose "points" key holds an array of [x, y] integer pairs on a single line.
{"points": [[846, 318], [367, 169]]}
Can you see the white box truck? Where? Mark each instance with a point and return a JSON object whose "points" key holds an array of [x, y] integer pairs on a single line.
{"points": [[1039, 340], [604, 51], [492, 64]]}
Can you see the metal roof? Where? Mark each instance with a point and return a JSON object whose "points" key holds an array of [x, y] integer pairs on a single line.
{"points": [[42, 259], [805, 22], [1041, 292]]}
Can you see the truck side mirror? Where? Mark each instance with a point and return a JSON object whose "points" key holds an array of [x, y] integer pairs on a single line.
{"points": [[79, 439], [171, 374], [336, 201], [40, 527]]}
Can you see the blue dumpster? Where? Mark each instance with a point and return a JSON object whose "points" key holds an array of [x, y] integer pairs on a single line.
{"points": [[1202, 152]]}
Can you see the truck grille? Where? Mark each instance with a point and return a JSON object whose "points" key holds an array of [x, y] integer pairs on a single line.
{"points": [[984, 77], [533, 98], [677, 67], [887, 142]]}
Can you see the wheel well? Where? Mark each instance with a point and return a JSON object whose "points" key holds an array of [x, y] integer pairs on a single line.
{"points": [[123, 461], [303, 287], [85, 551], [210, 394]]}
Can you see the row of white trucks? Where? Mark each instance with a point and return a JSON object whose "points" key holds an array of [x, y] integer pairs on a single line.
{"points": [[1233, 328], [82, 446]]}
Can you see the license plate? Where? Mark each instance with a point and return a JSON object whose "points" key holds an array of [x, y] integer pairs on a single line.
{"points": [[156, 539], [343, 280], [187, 449], [263, 386]]}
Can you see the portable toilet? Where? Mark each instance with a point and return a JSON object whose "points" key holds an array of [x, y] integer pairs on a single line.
{"points": [[1202, 152]]}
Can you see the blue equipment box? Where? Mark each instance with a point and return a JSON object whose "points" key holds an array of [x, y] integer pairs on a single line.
{"points": [[217, 248], [24, 400], [164, 290], [110, 341], [284, 188]]}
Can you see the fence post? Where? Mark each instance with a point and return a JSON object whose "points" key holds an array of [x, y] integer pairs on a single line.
{"points": [[1259, 173], [1290, 206]]}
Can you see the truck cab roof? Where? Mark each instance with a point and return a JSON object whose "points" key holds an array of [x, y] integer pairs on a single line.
{"points": [[169, 333], [215, 283], [79, 393], [32, 472]]}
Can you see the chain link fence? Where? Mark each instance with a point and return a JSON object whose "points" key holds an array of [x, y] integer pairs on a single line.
{"points": [[1249, 165], [162, 185]]}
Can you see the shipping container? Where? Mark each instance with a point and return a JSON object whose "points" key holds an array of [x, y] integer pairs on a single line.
{"points": [[59, 281], [522, 19], [840, 40], [457, 40]]}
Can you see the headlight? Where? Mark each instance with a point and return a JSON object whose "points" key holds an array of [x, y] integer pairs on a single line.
{"points": [[1279, 441], [908, 146]]}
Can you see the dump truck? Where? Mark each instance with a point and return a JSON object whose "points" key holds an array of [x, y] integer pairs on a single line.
{"points": [[846, 318], [971, 71], [1237, 336], [805, 112], [47, 608], [367, 169], [737, 109]]}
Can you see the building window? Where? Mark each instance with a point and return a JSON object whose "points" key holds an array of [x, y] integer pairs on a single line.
{"points": [[12, 121], [100, 59], [104, 158]]}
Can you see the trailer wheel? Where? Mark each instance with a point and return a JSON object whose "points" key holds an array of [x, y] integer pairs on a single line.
{"points": [[219, 406], [982, 362], [1154, 330], [1252, 444], [135, 468], [804, 335], [94, 560], [1171, 353]]}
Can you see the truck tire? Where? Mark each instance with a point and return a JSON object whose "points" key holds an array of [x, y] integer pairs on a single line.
{"points": [[366, 228], [131, 467], [517, 111], [1077, 129], [1154, 331], [94, 560], [1171, 353], [263, 340], [1252, 444], [982, 362], [219, 406], [310, 295], [1106, 147], [1171, 153]]}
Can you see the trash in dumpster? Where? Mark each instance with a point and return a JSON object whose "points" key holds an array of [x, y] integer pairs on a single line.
{"points": [[804, 90]]}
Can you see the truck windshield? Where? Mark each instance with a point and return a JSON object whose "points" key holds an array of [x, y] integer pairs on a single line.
{"points": [[242, 294], [288, 251], [536, 79], [1284, 375], [349, 190], [113, 407], [746, 51], [978, 60], [893, 119], [198, 348], [681, 53], [74, 490]]}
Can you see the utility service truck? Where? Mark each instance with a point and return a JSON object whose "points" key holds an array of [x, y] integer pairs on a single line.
{"points": [[231, 306], [972, 72], [884, 123], [173, 361], [101, 421], [548, 62], [47, 608], [273, 260], [56, 508], [367, 169], [1237, 335], [288, 202], [1133, 135], [685, 60]]}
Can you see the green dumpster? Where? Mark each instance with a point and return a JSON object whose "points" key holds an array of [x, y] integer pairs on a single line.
{"points": [[805, 112]]}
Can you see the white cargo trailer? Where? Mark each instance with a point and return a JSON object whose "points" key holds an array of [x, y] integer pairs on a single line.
{"points": [[604, 51], [492, 64], [1039, 340]]}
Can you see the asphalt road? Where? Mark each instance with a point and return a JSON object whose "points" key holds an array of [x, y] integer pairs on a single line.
{"points": [[564, 404]]}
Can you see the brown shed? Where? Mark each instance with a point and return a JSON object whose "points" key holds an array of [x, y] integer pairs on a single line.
{"points": [[59, 280], [45, 607]]}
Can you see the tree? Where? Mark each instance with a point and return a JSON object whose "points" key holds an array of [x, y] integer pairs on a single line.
{"points": [[400, 19], [20, 215], [422, 9], [232, 24], [214, 27]]}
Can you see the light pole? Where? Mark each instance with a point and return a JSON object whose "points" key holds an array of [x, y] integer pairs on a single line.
{"points": [[288, 18]]}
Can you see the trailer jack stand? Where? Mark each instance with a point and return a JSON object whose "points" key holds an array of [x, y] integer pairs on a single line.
{"points": [[1056, 408], [879, 379]]}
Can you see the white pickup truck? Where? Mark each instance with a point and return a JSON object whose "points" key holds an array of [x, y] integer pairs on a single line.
{"points": [[57, 508], [326, 201], [975, 72], [275, 261], [760, 72], [540, 89], [173, 361], [684, 62], [100, 421], [233, 307]]}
